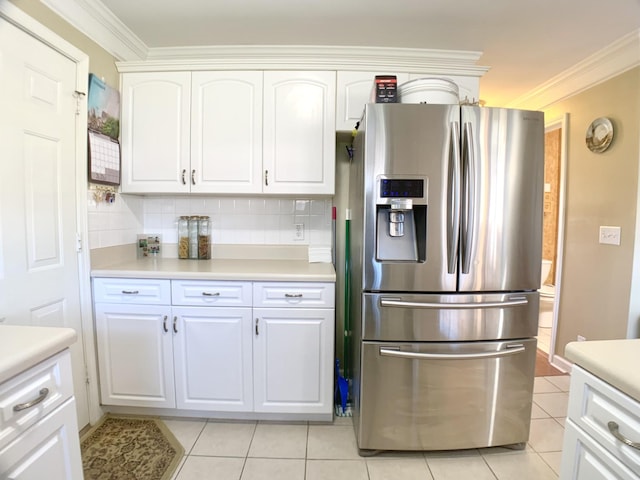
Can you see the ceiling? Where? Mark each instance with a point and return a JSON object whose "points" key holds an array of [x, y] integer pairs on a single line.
{"points": [[525, 43]]}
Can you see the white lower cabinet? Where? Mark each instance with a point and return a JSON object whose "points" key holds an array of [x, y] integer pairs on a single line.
{"points": [[216, 346], [135, 357], [600, 420], [38, 424], [292, 360], [212, 358]]}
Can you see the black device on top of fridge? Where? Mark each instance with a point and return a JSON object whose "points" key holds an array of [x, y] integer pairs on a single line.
{"points": [[446, 259]]}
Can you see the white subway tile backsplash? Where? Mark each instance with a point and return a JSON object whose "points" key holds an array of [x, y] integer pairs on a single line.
{"points": [[242, 220]]}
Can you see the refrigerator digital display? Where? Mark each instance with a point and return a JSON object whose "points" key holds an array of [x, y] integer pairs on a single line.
{"points": [[401, 188]]}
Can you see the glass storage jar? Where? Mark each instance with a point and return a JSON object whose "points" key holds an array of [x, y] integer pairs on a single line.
{"points": [[183, 237], [193, 236], [204, 238]]}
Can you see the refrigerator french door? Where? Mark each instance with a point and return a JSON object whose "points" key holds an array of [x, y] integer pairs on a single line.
{"points": [[445, 270]]}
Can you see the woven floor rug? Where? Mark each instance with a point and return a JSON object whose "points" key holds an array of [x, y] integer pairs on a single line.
{"points": [[129, 448]]}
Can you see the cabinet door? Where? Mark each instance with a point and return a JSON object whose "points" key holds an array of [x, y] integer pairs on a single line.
{"points": [[292, 360], [299, 132], [135, 355], [226, 132], [353, 90], [49, 449], [213, 360], [155, 132]]}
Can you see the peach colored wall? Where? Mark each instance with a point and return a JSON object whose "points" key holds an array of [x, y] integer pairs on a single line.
{"points": [[602, 189]]}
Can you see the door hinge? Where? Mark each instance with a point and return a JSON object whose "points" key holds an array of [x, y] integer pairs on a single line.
{"points": [[78, 242], [87, 379]]}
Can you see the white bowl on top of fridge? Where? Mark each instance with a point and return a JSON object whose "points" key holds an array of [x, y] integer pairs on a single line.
{"points": [[429, 90]]}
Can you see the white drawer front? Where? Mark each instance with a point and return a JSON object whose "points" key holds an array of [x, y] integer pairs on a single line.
{"points": [[584, 459], [298, 294], [132, 290], [600, 404], [44, 387], [211, 293]]}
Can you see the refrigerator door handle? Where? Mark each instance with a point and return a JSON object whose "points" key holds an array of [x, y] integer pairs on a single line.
{"points": [[468, 194], [509, 350], [515, 302], [453, 198]]}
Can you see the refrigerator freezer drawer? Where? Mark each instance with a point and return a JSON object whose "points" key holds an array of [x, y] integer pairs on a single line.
{"points": [[444, 396], [454, 317]]}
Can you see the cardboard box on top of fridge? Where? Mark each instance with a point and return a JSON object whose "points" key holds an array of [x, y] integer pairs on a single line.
{"points": [[385, 89]]}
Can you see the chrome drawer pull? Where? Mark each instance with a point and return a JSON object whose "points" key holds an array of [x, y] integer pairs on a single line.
{"points": [[391, 352], [130, 292], [613, 428], [293, 295], [208, 294], [23, 406], [384, 302]]}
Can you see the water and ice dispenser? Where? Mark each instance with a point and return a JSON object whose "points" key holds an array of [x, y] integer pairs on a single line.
{"points": [[401, 218]]}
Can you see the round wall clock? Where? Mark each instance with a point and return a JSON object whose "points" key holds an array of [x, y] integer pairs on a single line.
{"points": [[599, 135]]}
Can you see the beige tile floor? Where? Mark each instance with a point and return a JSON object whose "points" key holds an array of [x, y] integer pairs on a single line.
{"points": [[238, 450]]}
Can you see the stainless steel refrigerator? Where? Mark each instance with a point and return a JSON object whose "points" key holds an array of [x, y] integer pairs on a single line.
{"points": [[446, 225]]}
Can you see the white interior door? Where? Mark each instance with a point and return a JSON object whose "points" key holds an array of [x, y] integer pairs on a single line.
{"points": [[39, 273]]}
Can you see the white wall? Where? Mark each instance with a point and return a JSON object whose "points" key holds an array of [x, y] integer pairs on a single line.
{"points": [[235, 220]]}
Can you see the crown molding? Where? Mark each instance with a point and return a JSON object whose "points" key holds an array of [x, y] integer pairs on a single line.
{"points": [[617, 58], [310, 57], [98, 23]]}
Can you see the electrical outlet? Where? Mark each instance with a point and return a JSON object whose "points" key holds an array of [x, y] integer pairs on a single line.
{"points": [[298, 232], [581, 338], [610, 235]]}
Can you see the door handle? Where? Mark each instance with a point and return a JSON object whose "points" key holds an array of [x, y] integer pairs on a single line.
{"points": [[453, 199], [453, 306], [257, 332], [175, 324], [193, 177], [509, 350], [164, 324], [209, 294], [184, 173], [468, 195]]}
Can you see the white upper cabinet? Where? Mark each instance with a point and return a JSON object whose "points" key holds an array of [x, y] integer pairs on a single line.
{"points": [[229, 132], [226, 132], [299, 132], [155, 132], [353, 92]]}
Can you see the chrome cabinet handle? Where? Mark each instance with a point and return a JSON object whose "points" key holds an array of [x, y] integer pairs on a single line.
{"points": [[175, 324], [266, 178], [257, 332], [453, 306], [184, 172], [164, 324], [293, 295], [613, 428], [42, 394], [209, 294], [193, 177], [130, 292], [510, 350]]}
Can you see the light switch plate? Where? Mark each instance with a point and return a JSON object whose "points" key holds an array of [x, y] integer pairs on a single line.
{"points": [[610, 235]]}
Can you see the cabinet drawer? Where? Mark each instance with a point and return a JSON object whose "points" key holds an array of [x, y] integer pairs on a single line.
{"points": [[594, 403], [46, 386], [211, 293], [298, 294], [132, 290]]}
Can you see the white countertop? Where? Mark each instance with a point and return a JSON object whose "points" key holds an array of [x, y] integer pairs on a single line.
{"points": [[234, 263], [22, 347], [617, 362]]}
